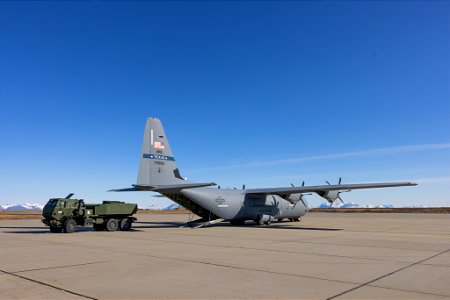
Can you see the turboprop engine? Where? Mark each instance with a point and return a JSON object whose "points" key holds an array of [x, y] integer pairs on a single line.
{"points": [[295, 198], [332, 196]]}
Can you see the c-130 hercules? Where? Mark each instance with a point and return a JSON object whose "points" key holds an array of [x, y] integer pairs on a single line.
{"points": [[158, 172]]}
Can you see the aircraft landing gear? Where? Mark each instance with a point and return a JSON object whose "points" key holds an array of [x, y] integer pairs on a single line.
{"points": [[267, 223]]}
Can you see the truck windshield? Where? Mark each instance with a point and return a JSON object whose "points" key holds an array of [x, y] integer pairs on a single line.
{"points": [[52, 203]]}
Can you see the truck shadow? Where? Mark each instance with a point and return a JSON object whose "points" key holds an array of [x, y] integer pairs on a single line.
{"points": [[37, 229]]}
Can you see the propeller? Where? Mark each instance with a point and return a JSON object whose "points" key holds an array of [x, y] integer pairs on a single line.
{"points": [[301, 194], [338, 193]]}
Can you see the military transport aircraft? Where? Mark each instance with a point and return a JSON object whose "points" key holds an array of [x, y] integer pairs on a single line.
{"points": [[158, 172]]}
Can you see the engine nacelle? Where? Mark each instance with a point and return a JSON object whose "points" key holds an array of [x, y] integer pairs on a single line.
{"points": [[264, 218], [293, 198], [330, 196]]}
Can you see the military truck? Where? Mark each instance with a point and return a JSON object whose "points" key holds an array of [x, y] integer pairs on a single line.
{"points": [[65, 214]]}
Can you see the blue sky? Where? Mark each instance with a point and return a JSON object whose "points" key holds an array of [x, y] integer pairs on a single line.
{"points": [[261, 93]]}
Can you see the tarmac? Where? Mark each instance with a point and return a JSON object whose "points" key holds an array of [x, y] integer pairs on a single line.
{"points": [[325, 256]]}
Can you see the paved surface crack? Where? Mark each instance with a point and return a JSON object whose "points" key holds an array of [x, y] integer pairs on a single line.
{"points": [[48, 285], [59, 267], [272, 250], [388, 274]]}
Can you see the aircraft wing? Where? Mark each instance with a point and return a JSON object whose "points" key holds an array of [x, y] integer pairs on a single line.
{"points": [[163, 188], [325, 188]]}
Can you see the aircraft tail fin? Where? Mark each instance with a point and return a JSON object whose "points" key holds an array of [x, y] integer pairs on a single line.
{"points": [[157, 165]]}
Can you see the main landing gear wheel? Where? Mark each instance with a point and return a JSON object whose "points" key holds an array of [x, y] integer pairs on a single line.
{"points": [[112, 225], [263, 223]]}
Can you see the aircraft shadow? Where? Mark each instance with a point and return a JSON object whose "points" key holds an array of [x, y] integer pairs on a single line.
{"points": [[304, 228], [137, 225], [226, 224]]}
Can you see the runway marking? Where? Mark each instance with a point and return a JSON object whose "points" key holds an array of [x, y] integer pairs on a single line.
{"points": [[48, 285], [389, 274]]}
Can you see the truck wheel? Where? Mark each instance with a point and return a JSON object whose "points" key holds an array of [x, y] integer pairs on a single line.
{"points": [[70, 225], [55, 229], [99, 227], [125, 224], [112, 225]]}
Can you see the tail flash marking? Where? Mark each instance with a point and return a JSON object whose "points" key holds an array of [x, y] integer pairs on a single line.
{"points": [[157, 165]]}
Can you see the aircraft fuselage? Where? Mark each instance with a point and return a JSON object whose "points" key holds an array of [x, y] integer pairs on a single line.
{"points": [[230, 204]]}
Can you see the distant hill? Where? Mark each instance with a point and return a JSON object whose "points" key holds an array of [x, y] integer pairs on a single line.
{"points": [[29, 206], [356, 205], [173, 206], [25, 206]]}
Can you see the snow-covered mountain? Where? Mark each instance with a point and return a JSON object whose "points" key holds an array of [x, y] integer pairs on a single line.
{"points": [[29, 206], [158, 207], [23, 206], [354, 205], [173, 207]]}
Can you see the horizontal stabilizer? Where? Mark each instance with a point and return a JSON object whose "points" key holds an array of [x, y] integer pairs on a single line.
{"points": [[132, 189], [163, 188]]}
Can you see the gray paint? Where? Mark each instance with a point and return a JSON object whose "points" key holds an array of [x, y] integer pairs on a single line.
{"points": [[158, 172]]}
